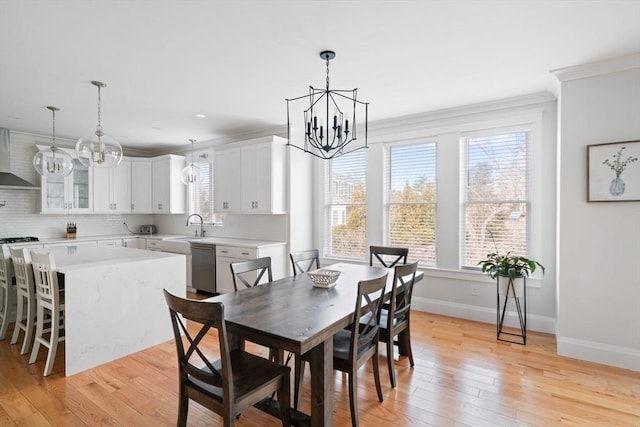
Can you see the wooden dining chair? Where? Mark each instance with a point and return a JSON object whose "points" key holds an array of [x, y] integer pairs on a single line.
{"points": [[353, 347], [305, 261], [387, 256], [250, 273], [50, 303], [229, 385], [26, 298], [7, 295], [395, 317]]}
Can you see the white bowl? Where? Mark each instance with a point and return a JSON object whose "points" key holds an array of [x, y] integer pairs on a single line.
{"points": [[324, 278]]}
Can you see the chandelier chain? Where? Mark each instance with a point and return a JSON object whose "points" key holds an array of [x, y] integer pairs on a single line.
{"points": [[99, 126], [54, 127], [327, 59]]}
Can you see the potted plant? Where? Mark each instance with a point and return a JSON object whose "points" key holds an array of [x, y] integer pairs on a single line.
{"points": [[509, 269]]}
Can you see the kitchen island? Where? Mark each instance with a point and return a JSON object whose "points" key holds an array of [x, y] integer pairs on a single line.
{"points": [[114, 305]]}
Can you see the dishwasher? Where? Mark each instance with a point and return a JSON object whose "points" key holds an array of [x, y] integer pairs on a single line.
{"points": [[203, 267]]}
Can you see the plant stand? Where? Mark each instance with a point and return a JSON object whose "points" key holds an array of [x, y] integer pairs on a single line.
{"points": [[521, 309]]}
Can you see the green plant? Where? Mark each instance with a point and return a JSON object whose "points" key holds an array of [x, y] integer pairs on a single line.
{"points": [[508, 265]]}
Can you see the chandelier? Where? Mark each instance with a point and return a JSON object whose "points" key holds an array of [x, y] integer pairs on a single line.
{"points": [[53, 161], [330, 126], [189, 174], [99, 149]]}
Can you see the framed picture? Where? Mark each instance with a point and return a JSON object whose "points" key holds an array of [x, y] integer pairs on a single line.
{"points": [[613, 172]]}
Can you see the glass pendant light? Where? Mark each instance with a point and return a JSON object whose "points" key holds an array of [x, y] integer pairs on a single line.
{"points": [[99, 149], [190, 172], [53, 161]]}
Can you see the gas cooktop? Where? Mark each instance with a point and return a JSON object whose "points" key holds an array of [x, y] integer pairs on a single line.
{"points": [[17, 239]]}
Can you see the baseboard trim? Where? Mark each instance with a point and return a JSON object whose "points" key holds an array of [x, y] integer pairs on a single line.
{"points": [[607, 354], [482, 314]]}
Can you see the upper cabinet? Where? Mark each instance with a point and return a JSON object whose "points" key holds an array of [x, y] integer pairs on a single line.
{"points": [[168, 194], [112, 188], [73, 193], [141, 186], [249, 177]]}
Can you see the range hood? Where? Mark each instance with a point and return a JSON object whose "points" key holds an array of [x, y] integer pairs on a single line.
{"points": [[8, 179]]}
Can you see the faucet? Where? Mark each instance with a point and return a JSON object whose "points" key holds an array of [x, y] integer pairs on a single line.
{"points": [[201, 222]]}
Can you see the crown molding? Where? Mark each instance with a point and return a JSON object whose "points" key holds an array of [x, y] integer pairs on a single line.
{"points": [[592, 69]]}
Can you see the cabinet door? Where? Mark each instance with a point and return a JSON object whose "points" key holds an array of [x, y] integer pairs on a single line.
{"points": [[224, 281], [101, 190], [161, 171], [263, 183], [80, 188], [141, 196], [54, 193], [226, 192], [249, 178], [120, 187]]}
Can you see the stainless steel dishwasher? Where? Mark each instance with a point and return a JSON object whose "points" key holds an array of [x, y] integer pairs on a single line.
{"points": [[203, 267]]}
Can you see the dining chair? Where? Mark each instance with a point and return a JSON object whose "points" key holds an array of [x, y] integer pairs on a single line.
{"points": [[50, 308], [250, 273], [353, 347], [26, 298], [229, 385], [395, 318], [305, 261], [7, 295], [387, 256]]}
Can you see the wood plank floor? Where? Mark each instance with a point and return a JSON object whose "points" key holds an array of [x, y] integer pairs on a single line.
{"points": [[462, 377]]}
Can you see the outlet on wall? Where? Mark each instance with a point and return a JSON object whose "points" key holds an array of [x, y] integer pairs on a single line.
{"points": [[474, 290]]}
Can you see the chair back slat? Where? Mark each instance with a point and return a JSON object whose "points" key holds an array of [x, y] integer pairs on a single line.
{"points": [[402, 291], [305, 261], [366, 328], [46, 279], [244, 272], [388, 256], [23, 270]]}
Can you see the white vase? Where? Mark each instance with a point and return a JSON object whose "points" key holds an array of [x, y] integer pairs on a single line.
{"points": [[518, 286]]}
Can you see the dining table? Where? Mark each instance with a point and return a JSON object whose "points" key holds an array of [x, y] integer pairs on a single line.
{"points": [[292, 314]]}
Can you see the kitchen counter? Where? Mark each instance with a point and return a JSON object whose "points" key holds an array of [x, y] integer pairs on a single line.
{"points": [[242, 243], [114, 304]]}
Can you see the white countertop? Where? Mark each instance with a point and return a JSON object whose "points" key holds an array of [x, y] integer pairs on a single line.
{"points": [[69, 258]]}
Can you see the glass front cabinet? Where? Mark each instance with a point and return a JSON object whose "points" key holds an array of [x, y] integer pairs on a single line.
{"points": [[68, 193]]}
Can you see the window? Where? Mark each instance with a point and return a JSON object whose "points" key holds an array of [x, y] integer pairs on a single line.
{"points": [[495, 189], [411, 200], [345, 210], [200, 194]]}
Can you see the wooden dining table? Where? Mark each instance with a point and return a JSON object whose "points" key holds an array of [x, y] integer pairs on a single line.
{"points": [[293, 315]]}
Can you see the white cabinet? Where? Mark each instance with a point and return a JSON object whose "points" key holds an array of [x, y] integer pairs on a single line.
{"points": [[141, 186], [112, 188], [134, 242], [250, 178], [226, 180], [110, 242], [73, 193], [227, 254], [168, 190]]}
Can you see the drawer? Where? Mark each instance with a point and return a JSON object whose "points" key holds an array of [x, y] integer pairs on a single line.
{"points": [[236, 252]]}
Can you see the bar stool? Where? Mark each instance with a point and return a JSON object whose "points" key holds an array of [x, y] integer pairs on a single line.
{"points": [[50, 299], [7, 295], [26, 298]]}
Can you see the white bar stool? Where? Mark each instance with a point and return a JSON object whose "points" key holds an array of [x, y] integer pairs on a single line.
{"points": [[26, 298]]}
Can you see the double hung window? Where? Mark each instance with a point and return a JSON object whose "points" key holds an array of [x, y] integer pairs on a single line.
{"points": [[495, 213], [345, 206], [200, 194], [411, 199]]}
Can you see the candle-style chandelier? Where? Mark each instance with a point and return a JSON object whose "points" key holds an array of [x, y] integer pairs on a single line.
{"points": [[330, 129]]}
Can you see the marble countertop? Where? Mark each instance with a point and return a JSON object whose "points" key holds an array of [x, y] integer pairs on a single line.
{"points": [[69, 258]]}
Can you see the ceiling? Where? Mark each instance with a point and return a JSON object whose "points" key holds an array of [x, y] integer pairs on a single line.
{"points": [[237, 61]]}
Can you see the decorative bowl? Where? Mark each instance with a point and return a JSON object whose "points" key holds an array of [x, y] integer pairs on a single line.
{"points": [[324, 278]]}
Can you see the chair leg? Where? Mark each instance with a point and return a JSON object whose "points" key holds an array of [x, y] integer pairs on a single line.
{"points": [[376, 375], [28, 333], [353, 397], [20, 320], [38, 338], [183, 408], [392, 371], [404, 338], [298, 379], [53, 343], [284, 398]]}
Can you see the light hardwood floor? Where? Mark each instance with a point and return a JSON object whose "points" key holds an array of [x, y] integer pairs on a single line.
{"points": [[462, 377]]}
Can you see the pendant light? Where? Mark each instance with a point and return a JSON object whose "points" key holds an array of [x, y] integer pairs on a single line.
{"points": [[53, 161], [99, 149], [190, 172]]}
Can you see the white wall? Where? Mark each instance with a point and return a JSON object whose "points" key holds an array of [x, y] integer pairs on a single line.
{"points": [[446, 289], [598, 243]]}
